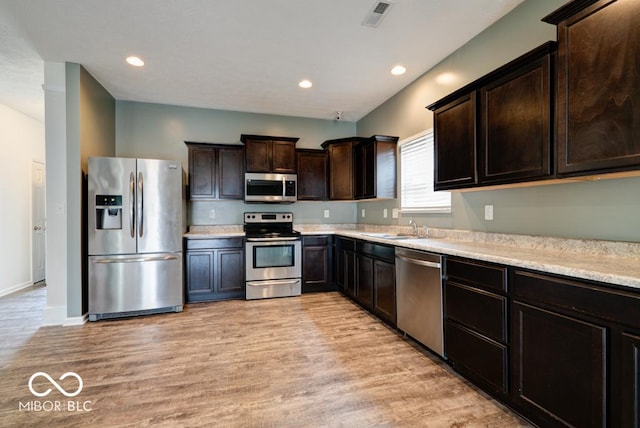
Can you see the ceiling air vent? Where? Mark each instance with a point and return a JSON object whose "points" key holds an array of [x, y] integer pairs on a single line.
{"points": [[377, 12]]}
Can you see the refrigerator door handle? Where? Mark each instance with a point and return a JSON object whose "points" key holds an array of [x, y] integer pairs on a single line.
{"points": [[132, 204], [140, 205], [138, 259]]}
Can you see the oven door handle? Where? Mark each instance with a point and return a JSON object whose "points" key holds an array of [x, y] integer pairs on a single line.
{"points": [[272, 282], [271, 239]]}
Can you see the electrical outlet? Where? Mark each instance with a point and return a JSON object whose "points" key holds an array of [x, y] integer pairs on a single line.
{"points": [[60, 209], [488, 212], [394, 213], [212, 214], [385, 213], [363, 213], [326, 213]]}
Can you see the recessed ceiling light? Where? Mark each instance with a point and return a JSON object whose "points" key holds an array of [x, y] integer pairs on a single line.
{"points": [[398, 70], [135, 61], [305, 84]]}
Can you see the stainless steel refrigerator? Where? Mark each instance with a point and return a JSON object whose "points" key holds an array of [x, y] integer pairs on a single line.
{"points": [[135, 222]]}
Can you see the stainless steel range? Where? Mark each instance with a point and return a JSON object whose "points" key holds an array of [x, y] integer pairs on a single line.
{"points": [[273, 255]]}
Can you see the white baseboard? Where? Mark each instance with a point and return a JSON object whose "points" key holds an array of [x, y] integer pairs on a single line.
{"points": [[15, 288], [76, 320]]}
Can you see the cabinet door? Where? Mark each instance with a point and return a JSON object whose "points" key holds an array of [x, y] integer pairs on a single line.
{"points": [[283, 157], [230, 173], [559, 368], [315, 268], [199, 275], [516, 126], [312, 175], [598, 118], [258, 155], [229, 272], [455, 144], [202, 173], [364, 160], [341, 171], [349, 270], [364, 288], [384, 279], [630, 379]]}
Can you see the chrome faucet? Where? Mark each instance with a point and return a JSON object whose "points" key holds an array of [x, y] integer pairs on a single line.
{"points": [[414, 225]]}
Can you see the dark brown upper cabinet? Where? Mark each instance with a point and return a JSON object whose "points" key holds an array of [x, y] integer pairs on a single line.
{"points": [[455, 136], [215, 171], [498, 129], [516, 120], [270, 154], [375, 167], [313, 168], [598, 104], [362, 168], [340, 153]]}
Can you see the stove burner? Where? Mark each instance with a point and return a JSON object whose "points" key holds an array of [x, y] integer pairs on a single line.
{"points": [[269, 225]]}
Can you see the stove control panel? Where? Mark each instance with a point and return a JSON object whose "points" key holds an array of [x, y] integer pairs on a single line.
{"points": [[268, 218]]}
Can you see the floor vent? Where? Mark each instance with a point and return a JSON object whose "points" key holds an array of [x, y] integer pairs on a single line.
{"points": [[377, 12]]}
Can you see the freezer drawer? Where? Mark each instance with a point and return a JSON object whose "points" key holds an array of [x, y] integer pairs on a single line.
{"points": [[134, 284]]}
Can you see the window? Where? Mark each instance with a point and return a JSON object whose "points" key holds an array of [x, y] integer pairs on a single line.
{"points": [[416, 177]]}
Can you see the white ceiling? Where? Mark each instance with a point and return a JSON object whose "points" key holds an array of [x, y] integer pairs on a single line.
{"points": [[242, 55]]}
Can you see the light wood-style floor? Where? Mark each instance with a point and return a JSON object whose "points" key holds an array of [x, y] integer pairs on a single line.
{"points": [[312, 361]]}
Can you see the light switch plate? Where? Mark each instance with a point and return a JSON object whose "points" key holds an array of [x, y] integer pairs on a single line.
{"points": [[488, 212], [394, 213], [385, 213], [363, 213]]}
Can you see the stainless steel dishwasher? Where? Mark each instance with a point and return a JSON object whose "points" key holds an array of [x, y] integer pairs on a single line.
{"points": [[419, 298]]}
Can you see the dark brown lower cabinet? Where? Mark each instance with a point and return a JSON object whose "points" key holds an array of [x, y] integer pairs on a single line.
{"points": [[376, 279], [630, 380], [559, 367], [384, 293], [316, 263], [364, 287], [214, 269], [475, 306], [345, 272]]}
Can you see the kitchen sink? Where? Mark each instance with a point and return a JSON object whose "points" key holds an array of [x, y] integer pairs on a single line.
{"points": [[393, 236]]}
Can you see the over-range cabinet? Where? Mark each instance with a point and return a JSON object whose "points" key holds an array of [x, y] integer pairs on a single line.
{"points": [[135, 226]]}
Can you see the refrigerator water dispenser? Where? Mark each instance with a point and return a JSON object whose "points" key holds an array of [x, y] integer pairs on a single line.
{"points": [[108, 211]]}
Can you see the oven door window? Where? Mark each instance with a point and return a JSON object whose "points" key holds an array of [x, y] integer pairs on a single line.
{"points": [[264, 188], [273, 256]]}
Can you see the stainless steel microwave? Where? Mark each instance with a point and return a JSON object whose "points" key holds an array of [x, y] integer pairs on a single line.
{"points": [[269, 187]]}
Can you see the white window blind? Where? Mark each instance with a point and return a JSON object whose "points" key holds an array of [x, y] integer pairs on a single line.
{"points": [[416, 177]]}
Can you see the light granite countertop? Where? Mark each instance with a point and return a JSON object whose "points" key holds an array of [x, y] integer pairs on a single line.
{"points": [[616, 263]]}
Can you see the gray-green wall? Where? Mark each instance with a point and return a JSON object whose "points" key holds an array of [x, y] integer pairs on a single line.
{"points": [[159, 131], [596, 210]]}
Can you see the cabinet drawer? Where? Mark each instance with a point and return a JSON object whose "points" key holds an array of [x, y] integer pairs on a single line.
{"points": [[580, 297], [481, 359], [380, 251], [205, 244], [479, 310], [486, 276], [316, 241], [346, 244]]}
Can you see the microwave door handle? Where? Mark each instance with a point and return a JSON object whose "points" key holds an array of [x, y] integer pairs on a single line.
{"points": [[284, 187]]}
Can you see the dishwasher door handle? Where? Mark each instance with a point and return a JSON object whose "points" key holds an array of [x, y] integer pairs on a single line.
{"points": [[419, 262]]}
